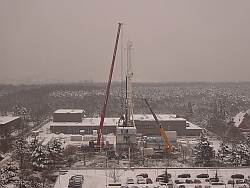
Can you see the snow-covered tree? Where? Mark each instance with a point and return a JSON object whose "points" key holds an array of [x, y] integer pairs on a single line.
{"points": [[243, 152], [234, 157], [55, 151], [20, 150], [8, 173], [248, 138], [39, 155], [223, 153], [204, 152]]}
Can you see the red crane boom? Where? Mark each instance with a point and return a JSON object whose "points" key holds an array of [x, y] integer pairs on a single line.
{"points": [[108, 87]]}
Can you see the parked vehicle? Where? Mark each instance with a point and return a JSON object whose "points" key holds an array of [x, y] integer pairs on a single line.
{"points": [[202, 176], [198, 186], [217, 183], [237, 176], [134, 186], [197, 181], [184, 176], [130, 180], [141, 180], [189, 181], [247, 181], [81, 177], [76, 181], [182, 186], [239, 181], [231, 182], [149, 181], [144, 175], [179, 182], [211, 180], [124, 186], [161, 177]]}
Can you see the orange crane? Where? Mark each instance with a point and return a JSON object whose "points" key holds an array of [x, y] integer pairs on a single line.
{"points": [[108, 88], [167, 142]]}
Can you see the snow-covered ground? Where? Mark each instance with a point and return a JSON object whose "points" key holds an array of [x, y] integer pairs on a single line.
{"points": [[98, 179]]}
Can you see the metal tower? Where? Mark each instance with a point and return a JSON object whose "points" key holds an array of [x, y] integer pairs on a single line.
{"points": [[128, 102]]}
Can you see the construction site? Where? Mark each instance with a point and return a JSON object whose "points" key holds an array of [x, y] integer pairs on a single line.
{"points": [[133, 137]]}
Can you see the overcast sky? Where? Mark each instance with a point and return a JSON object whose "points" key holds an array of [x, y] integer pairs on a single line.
{"points": [[173, 40]]}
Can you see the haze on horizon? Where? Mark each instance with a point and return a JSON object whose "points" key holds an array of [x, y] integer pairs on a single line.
{"points": [[181, 41]]}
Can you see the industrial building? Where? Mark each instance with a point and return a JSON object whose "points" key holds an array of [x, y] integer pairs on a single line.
{"points": [[144, 123], [87, 124], [68, 115], [9, 123]]}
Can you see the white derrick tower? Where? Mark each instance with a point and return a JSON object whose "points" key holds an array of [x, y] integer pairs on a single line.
{"points": [[126, 132], [128, 102]]}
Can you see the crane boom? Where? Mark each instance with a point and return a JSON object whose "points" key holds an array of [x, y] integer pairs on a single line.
{"points": [[170, 147], [108, 86]]}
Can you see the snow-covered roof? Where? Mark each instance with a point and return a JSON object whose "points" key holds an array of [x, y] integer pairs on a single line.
{"points": [[88, 122], [192, 126], [239, 118], [65, 111], [248, 112], [7, 119], [161, 117]]}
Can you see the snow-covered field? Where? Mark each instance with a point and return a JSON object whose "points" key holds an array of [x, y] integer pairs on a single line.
{"points": [[98, 179]]}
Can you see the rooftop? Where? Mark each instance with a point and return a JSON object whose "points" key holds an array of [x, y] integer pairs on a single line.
{"points": [[65, 111], [161, 117], [192, 126], [88, 121], [7, 119]]}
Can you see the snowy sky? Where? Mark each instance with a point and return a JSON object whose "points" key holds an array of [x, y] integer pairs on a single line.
{"points": [[172, 40]]}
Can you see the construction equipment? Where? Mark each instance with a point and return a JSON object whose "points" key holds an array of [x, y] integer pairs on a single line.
{"points": [[108, 88], [168, 145]]}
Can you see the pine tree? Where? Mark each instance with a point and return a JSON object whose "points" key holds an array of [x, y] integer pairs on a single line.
{"points": [[234, 158], [55, 151], [39, 155], [20, 150], [243, 152], [223, 153], [8, 172], [248, 145], [204, 152]]}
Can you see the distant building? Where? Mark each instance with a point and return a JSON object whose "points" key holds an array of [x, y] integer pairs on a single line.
{"points": [[87, 124], [242, 121], [68, 115], [146, 124], [9, 123]]}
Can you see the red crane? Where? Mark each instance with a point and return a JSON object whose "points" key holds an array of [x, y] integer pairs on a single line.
{"points": [[108, 87]]}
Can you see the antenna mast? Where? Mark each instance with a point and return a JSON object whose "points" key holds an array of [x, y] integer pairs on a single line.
{"points": [[128, 102]]}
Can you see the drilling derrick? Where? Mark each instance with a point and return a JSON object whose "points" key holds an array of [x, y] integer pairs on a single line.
{"points": [[128, 103], [126, 130]]}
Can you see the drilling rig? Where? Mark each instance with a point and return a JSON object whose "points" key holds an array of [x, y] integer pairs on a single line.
{"points": [[126, 130]]}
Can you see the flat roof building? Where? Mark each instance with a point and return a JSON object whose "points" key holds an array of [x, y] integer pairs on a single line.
{"points": [[146, 124], [70, 121], [9, 122], [68, 115]]}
